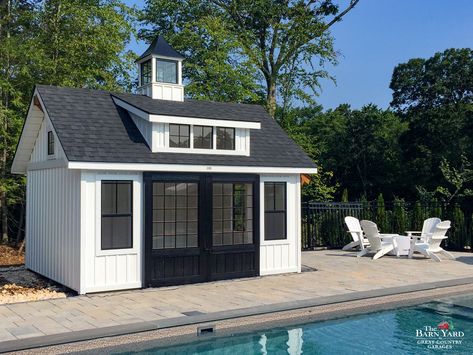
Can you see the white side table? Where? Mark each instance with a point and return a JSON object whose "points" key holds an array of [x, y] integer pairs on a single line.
{"points": [[402, 245]]}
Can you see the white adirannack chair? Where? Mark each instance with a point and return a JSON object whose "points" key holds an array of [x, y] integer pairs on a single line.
{"points": [[428, 228], [377, 244], [354, 228], [431, 246]]}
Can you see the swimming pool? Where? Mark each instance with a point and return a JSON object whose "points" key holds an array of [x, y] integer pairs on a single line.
{"points": [[444, 326]]}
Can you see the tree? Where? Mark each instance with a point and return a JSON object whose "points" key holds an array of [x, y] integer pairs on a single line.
{"points": [[59, 42], [17, 25], [296, 123], [286, 42], [435, 97], [83, 44], [361, 147]]}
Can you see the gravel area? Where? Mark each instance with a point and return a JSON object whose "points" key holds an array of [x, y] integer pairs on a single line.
{"points": [[17, 284]]}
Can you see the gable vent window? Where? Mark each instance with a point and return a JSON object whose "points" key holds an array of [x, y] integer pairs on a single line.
{"points": [[225, 138], [117, 215], [166, 71], [274, 210], [50, 143], [179, 136], [146, 72], [203, 137]]}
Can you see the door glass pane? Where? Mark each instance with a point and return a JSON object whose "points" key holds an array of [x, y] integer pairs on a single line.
{"points": [[176, 218], [232, 214]]}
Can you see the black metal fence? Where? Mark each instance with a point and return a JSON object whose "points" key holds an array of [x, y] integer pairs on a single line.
{"points": [[323, 222]]}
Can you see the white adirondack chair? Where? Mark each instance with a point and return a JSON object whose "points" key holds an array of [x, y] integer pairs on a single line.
{"points": [[377, 245], [427, 228], [431, 246], [354, 228]]}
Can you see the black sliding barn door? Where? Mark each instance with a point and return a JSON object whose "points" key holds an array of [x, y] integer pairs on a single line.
{"points": [[200, 227]]}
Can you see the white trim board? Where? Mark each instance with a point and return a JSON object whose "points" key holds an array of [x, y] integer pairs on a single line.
{"points": [[185, 120], [188, 168]]}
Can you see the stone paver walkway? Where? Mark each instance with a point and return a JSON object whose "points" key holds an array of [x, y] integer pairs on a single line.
{"points": [[337, 273]]}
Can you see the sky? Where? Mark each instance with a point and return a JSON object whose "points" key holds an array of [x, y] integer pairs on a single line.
{"points": [[379, 34]]}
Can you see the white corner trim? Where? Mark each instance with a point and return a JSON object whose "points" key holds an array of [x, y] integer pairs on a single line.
{"points": [[188, 168], [185, 120]]}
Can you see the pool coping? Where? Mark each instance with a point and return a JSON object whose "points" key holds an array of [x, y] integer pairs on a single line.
{"points": [[125, 329]]}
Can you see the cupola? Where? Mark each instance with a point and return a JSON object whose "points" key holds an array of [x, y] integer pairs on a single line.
{"points": [[160, 72]]}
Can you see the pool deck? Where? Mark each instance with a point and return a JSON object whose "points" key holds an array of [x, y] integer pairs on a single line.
{"points": [[328, 277]]}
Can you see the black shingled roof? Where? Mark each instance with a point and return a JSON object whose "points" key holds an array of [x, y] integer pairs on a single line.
{"points": [[91, 128], [160, 47], [196, 108]]}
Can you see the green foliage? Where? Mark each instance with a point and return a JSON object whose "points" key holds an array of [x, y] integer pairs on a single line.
{"points": [[435, 97], [381, 217], [345, 195], [361, 147], [236, 47], [216, 68], [58, 42]]}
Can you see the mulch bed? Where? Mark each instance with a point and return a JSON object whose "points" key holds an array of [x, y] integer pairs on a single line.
{"points": [[17, 284], [10, 256]]}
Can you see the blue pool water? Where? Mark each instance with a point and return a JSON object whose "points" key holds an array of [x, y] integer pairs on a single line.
{"points": [[400, 331]]}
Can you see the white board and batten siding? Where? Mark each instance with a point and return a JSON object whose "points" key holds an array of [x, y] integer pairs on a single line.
{"points": [[53, 215], [115, 269], [282, 256]]}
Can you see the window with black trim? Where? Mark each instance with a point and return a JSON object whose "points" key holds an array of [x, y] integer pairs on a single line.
{"points": [[275, 211], [50, 143], [179, 135], [166, 71], [117, 215], [146, 72], [203, 137], [225, 138]]}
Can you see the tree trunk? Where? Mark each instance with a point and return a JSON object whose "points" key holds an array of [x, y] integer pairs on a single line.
{"points": [[3, 194], [271, 96], [20, 224]]}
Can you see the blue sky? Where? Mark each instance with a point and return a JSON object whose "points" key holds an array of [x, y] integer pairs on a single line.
{"points": [[377, 35]]}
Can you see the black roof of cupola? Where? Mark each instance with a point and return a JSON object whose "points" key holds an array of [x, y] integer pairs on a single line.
{"points": [[159, 47]]}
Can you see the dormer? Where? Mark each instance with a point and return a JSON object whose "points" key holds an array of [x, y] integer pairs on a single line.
{"points": [[160, 72]]}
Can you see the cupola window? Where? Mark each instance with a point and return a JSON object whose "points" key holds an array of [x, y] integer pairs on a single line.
{"points": [[146, 72], [166, 71]]}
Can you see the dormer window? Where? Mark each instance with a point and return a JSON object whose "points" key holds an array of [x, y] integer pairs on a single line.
{"points": [[50, 143], [146, 72], [203, 137], [166, 71], [225, 138], [179, 136]]}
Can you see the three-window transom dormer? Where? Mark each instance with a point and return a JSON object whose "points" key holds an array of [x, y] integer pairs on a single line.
{"points": [[160, 72]]}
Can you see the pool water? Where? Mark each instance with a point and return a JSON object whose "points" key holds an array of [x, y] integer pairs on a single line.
{"points": [[400, 331]]}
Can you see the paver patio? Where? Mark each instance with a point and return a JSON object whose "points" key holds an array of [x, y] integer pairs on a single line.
{"points": [[327, 273]]}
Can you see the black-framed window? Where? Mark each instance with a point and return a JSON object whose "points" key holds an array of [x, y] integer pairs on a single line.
{"points": [[275, 214], [179, 135], [203, 137], [232, 214], [166, 71], [225, 138], [117, 214], [50, 143], [146, 72], [175, 215]]}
